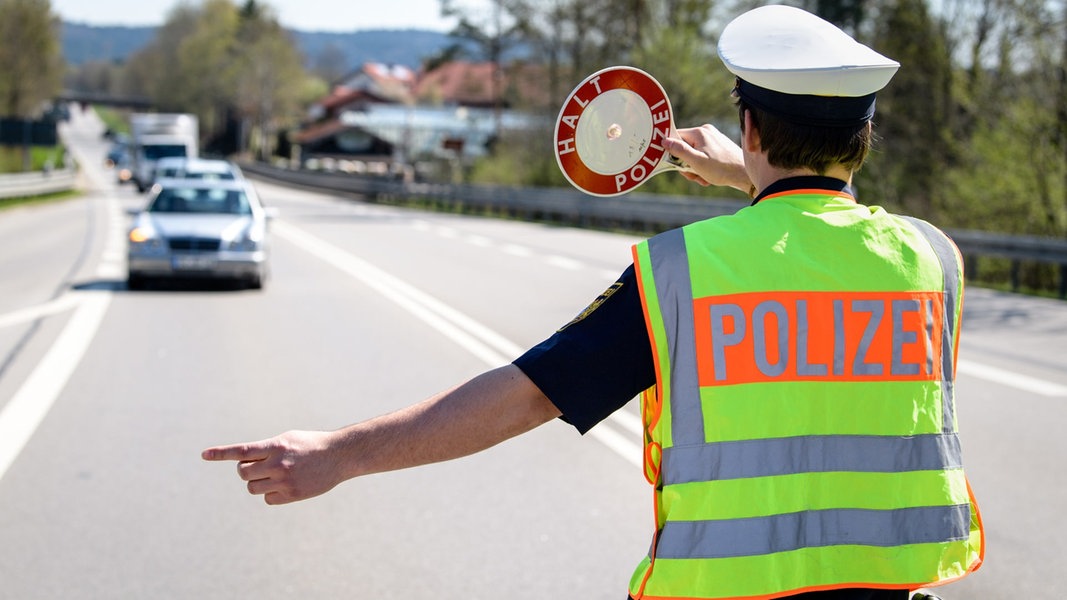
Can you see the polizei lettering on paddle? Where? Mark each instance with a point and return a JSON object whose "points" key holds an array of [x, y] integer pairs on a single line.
{"points": [[649, 152]]}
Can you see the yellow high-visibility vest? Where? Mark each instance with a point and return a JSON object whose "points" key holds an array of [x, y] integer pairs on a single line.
{"points": [[802, 432]]}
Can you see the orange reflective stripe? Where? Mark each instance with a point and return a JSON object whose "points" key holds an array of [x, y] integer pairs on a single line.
{"points": [[791, 593], [651, 408], [981, 528], [804, 336], [810, 192], [653, 459]]}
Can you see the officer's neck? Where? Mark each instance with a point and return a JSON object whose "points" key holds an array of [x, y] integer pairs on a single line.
{"points": [[765, 174]]}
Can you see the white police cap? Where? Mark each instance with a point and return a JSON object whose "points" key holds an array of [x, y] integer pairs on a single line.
{"points": [[779, 53]]}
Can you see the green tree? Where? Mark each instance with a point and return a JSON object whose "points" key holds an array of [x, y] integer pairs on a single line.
{"points": [[1012, 175], [914, 113], [680, 52], [205, 80], [268, 70], [233, 66], [31, 66], [97, 76], [849, 15], [156, 71]]}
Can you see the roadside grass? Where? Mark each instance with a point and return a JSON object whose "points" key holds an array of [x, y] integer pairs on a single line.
{"points": [[41, 157], [8, 203], [11, 158]]}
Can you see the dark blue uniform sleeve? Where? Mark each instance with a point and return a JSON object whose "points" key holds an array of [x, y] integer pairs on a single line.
{"points": [[598, 362]]}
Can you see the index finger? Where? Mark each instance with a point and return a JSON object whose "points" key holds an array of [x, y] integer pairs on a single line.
{"points": [[242, 452]]}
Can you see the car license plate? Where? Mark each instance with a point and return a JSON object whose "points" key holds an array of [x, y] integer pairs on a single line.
{"points": [[193, 262]]}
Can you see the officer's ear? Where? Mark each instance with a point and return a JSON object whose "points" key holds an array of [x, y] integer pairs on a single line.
{"points": [[750, 138]]}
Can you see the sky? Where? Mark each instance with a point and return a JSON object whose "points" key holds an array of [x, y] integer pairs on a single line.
{"points": [[304, 15]]}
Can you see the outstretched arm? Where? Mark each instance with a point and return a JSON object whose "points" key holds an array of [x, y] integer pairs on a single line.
{"points": [[481, 413]]}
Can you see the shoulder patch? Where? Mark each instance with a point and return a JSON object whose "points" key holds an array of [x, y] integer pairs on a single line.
{"points": [[594, 305]]}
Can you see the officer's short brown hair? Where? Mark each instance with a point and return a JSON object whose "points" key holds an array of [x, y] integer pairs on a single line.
{"points": [[793, 146]]}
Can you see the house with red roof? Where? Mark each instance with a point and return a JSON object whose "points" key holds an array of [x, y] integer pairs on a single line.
{"points": [[383, 115]]}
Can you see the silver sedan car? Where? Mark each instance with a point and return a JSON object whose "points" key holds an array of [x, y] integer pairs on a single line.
{"points": [[200, 229], [180, 167]]}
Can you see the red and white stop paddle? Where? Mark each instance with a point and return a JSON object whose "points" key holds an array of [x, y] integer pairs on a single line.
{"points": [[609, 133]]}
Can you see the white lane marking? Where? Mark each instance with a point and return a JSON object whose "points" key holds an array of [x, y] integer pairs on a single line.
{"points": [[32, 313], [630, 422], [484, 343], [619, 444], [111, 271], [476, 338], [25, 411], [1008, 378], [22, 415], [516, 250], [477, 240], [562, 262]]}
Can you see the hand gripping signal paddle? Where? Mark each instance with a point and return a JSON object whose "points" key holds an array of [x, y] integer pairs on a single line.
{"points": [[609, 134]]}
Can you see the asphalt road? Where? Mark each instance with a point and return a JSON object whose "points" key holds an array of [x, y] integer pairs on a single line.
{"points": [[107, 397]]}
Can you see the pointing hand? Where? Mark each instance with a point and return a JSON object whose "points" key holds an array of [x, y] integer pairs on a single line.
{"points": [[296, 465]]}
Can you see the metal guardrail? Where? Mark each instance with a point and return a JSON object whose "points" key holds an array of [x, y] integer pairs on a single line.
{"points": [[37, 183], [1016, 248], [635, 211]]}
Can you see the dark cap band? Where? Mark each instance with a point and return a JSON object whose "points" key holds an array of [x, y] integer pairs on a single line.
{"points": [[814, 111]]}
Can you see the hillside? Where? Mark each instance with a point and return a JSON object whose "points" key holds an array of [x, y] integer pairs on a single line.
{"points": [[85, 43]]}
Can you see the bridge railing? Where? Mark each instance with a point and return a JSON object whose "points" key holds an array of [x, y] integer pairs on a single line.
{"points": [[634, 211], [37, 183]]}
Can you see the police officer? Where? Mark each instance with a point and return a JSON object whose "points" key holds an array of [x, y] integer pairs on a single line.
{"points": [[795, 361]]}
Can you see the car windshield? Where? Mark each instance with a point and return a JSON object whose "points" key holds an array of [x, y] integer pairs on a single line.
{"points": [[209, 175], [157, 152], [201, 200]]}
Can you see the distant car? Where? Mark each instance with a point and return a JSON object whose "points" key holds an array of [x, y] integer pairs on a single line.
{"points": [[200, 229], [197, 168], [123, 171], [119, 151], [118, 158]]}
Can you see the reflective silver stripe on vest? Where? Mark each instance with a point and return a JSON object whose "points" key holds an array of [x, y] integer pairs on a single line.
{"points": [[810, 454], [670, 268], [946, 255], [809, 529]]}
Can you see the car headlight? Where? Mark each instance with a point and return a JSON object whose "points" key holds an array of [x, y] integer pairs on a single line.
{"points": [[247, 239], [145, 237]]}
